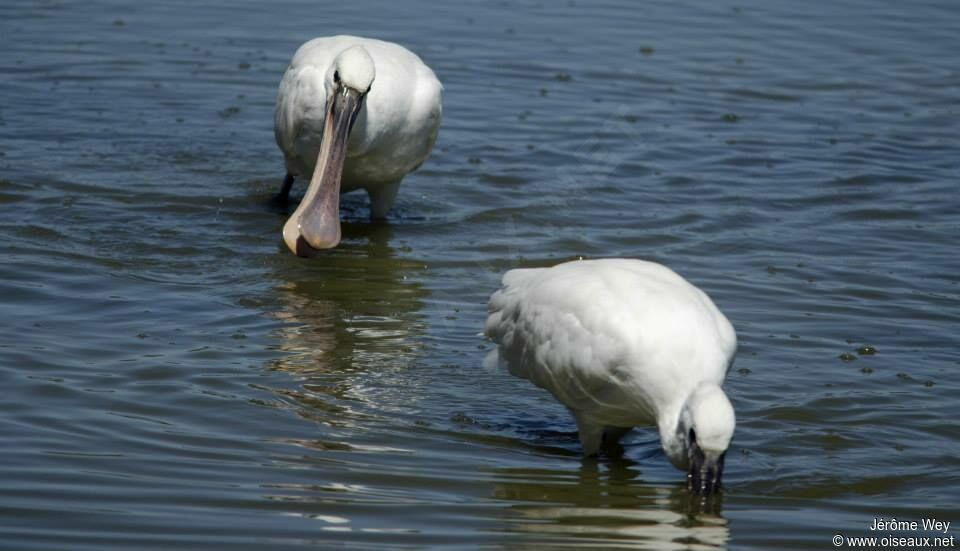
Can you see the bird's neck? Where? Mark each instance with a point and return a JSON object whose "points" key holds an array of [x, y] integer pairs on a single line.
{"points": [[673, 429]]}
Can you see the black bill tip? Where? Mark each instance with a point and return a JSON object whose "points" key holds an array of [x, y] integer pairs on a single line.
{"points": [[706, 470], [304, 250]]}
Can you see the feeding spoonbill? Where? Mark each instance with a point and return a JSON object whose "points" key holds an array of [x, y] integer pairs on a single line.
{"points": [[351, 113], [623, 343]]}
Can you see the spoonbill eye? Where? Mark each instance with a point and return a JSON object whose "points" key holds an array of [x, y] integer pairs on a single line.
{"points": [[336, 76]]}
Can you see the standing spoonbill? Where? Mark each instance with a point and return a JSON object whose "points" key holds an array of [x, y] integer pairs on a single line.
{"points": [[623, 343], [359, 111]]}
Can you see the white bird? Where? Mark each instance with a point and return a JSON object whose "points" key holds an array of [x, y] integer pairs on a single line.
{"points": [[359, 110], [623, 343]]}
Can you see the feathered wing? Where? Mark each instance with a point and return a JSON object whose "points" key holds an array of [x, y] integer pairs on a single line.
{"points": [[503, 317], [297, 112], [550, 334], [428, 109]]}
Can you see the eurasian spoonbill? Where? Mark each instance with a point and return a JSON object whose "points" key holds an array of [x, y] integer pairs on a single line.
{"points": [[351, 113], [623, 343]]}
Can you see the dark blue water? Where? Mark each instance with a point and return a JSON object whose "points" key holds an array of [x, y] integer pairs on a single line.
{"points": [[173, 377]]}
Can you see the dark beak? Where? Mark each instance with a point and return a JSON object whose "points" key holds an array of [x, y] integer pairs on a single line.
{"points": [[706, 470], [315, 224]]}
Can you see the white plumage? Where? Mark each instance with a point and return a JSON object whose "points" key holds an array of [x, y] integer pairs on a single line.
{"points": [[390, 118], [623, 343]]}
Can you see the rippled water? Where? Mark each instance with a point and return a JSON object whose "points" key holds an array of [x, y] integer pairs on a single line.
{"points": [[173, 377]]}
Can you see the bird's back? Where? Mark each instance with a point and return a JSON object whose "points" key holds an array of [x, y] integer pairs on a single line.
{"points": [[617, 337]]}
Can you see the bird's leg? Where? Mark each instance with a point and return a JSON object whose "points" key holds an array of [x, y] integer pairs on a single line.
{"points": [[611, 440], [591, 434], [381, 199], [284, 196]]}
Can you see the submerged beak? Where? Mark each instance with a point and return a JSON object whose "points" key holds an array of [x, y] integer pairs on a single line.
{"points": [[706, 469], [315, 224]]}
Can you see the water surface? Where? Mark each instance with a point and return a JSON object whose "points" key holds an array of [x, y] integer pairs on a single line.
{"points": [[174, 377]]}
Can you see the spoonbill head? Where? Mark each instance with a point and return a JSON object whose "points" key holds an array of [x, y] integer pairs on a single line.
{"points": [[623, 343], [351, 113], [703, 435]]}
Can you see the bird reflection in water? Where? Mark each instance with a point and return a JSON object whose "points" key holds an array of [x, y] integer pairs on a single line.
{"points": [[605, 502], [350, 319]]}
